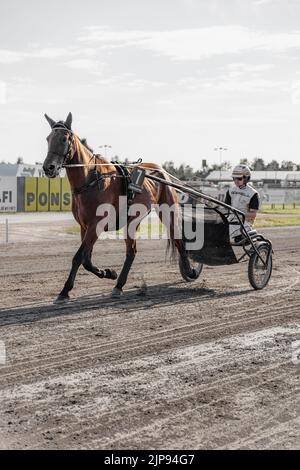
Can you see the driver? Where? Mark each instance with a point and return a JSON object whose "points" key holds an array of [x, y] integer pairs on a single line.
{"points": [[243, 197]]}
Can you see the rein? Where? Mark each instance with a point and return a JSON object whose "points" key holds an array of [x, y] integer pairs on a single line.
{"points": [[97, 177], [129, 165], [94, 182]]}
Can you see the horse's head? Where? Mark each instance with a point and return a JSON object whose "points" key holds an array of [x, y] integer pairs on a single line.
{"points": [[59, 145]]}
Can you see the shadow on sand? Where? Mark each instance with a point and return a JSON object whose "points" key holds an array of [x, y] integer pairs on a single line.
{"points": [[132, 300]]}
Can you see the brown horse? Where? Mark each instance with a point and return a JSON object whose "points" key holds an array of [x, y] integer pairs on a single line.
{"points": [[96, 186]]}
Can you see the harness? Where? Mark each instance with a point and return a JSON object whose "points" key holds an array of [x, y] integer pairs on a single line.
{"points": [[96, 179], [130, 186], [126, 180], [132, 182]]}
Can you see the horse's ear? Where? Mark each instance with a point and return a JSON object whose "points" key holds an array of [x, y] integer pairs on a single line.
{"points": [[51, 122], [68, 121]]}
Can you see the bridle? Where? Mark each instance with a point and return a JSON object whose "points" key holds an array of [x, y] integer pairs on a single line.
{"points": [[68, 156], [96, 177]]}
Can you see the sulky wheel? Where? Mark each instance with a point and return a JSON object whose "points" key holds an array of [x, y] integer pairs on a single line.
{"points": [[259, 274], [196, 269]]}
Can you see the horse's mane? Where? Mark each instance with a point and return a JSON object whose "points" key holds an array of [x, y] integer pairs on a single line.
{"points": [[106, 168], [85, 144], [109, 167], [83, 140]]}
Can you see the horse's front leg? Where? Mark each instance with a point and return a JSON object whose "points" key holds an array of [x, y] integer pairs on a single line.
{"points": [[107, 273], [90, 267], [130, 255], [69, 284], [89, 239]]}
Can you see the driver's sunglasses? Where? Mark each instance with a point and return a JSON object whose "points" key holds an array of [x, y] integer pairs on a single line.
{"points": [[239, 179]]}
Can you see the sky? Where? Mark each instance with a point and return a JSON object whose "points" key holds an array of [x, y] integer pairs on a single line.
{"points": [[161, 80]]}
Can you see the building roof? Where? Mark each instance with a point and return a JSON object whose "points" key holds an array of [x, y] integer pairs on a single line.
{"points": [[293, 176], [30, 170], [8, 169], [23, 169]]}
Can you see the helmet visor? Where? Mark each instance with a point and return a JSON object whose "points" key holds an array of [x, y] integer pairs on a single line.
{"points": [[239, 178]]}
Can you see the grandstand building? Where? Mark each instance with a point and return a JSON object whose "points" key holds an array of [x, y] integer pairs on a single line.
{"points": [[281, 179]]}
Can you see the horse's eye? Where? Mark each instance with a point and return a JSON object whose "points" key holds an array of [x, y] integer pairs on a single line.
{"points": [[64, 140]]}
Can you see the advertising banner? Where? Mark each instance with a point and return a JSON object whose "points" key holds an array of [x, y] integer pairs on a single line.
{"points": [[43, 194], [8, 194]]}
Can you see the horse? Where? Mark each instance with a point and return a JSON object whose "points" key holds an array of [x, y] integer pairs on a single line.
{"points": [[95, 184]]}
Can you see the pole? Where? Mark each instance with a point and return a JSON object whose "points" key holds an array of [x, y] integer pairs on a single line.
{"points": [[105, 146], [6, 231], [220, 149]]}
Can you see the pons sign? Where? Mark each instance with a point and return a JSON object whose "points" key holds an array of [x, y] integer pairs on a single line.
{"points": [[8, 194]]}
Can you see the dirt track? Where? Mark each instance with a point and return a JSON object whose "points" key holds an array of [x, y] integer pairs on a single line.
{"points": [[180, 366]]}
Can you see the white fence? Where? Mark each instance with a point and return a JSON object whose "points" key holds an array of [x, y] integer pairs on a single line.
{"points": [[281, 196]]}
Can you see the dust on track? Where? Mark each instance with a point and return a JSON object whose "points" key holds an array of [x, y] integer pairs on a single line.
{"points": [[178, 366]]}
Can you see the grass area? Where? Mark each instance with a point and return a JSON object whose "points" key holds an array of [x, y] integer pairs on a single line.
{"points": [[156, 228], [75, 230], [276, 221], [288, 209]]}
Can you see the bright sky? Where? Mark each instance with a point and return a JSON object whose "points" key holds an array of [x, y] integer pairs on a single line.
{"points": [[164, 80]]}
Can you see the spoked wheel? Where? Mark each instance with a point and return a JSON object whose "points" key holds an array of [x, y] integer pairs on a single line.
{"points": [[196, 269], [259, 273]]}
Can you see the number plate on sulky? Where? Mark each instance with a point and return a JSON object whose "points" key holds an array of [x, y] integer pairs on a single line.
{"points": [[137, 179]]}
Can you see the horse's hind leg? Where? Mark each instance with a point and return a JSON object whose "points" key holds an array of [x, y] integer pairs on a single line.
{"points": [[185, 263], [130, 255]]}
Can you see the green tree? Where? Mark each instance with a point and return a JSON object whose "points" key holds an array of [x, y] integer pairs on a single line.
{"points": [[226, 165], [273, 166], [258, 164], [288, 165], [245, 161], [170, 167]]}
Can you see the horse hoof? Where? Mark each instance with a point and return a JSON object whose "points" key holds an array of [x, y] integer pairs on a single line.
{"points": [[61, 299], [114, 275], [110, 274], [116, 293]]}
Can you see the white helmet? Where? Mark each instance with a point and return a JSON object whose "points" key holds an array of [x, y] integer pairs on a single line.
{"points": [[241, 170]]}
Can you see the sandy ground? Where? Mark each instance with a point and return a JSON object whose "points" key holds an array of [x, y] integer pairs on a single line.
{"points": [[210, 364]]}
